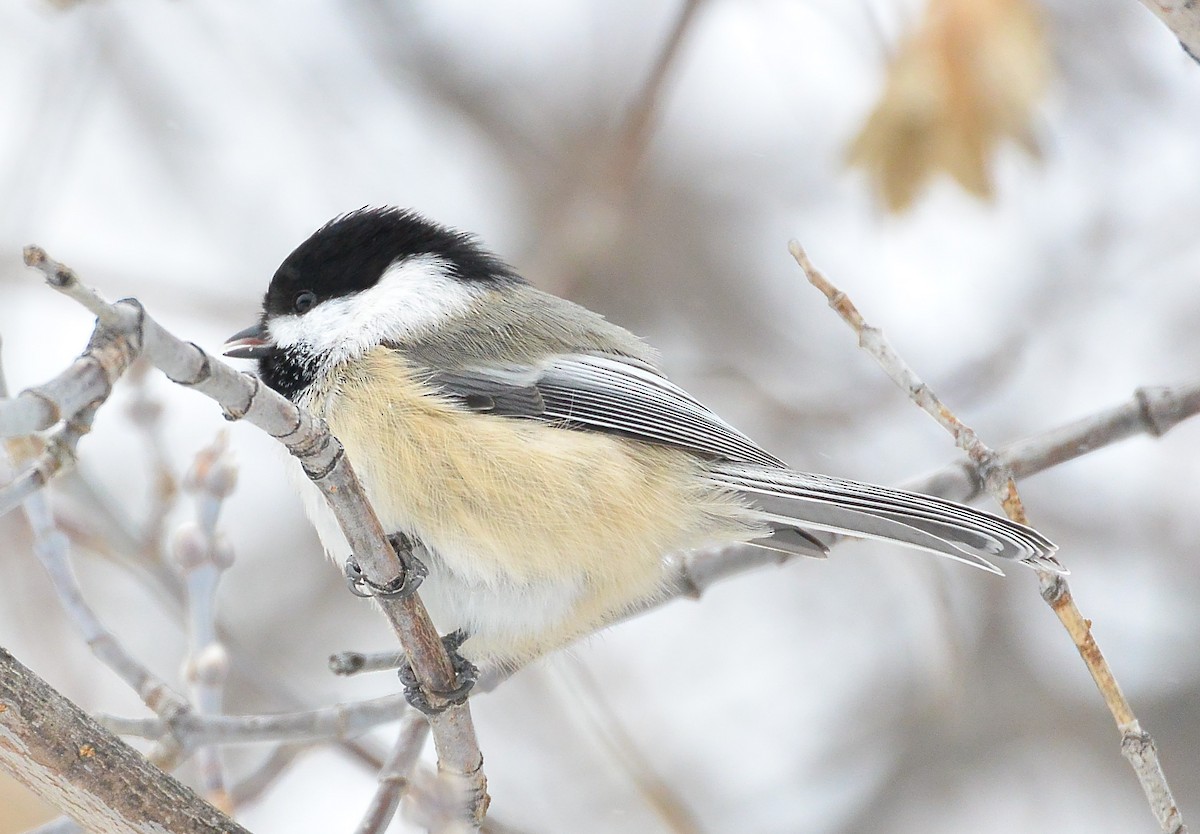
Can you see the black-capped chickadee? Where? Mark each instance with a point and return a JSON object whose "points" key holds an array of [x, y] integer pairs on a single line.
{"points": [[534, 448]]}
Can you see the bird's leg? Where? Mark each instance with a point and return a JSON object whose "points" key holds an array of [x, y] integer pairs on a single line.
{"points": [[403, 585], [465, 674]]}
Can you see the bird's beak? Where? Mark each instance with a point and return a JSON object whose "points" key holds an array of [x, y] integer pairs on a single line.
{"points": [[251, 343]]}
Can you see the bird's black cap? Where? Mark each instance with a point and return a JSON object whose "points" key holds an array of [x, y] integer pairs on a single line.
{"points": [[351, 252]]}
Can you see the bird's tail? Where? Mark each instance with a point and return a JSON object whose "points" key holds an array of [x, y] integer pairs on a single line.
{"points": [[798, 501]]}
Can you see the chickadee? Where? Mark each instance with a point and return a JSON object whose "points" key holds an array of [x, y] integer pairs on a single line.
{"points": [[534, 448]]}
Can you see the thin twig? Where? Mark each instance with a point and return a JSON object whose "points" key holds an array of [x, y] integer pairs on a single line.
{"points": [[53, 549], [253, 785], [1153, 411], [340, 721], [145, 412], [394, 776], [353, 663], [62, 278], [584, 217], [203, 556], [1136, 745]]}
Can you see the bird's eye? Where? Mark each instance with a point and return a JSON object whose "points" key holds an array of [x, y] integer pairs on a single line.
{"points": [[304, 301]]}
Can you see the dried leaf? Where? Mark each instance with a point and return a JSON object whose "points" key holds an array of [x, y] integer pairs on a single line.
{"points": [[968, 78]]}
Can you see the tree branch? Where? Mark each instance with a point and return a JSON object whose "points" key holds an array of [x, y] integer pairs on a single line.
{"points": [[638, 127], [1153, 411], [58, 752], [1136, 745], [352, 663]]}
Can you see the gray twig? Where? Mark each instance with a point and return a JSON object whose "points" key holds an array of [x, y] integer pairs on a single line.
{"points": [[352, 663], [394, 776], [1152, 411], [203, 555], [53, 550], [340, 721], [1136, 744], [145, 411], [595, 717], [638, 127]]}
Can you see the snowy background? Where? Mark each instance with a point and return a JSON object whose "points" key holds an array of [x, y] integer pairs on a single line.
{"points": [[177, 151]]}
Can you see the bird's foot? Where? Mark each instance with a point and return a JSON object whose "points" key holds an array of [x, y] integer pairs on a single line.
{"points": [[404, 584], [465, 674]]}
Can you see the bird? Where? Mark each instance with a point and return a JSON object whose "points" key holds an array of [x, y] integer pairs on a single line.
{"points": [[535, 450]]}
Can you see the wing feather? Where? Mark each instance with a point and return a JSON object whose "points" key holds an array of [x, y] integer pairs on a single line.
{"points": [[606, 393], [610, 393]]}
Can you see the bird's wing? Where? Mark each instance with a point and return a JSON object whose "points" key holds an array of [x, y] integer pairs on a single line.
{"points": [[601, 392], [608, 393]]}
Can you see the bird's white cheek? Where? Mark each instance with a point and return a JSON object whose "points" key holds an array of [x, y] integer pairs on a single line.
{"points": [[318, 331], [412, 297]]}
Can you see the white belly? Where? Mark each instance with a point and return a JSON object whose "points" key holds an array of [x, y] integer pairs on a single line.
{"points": [[497, 612]]}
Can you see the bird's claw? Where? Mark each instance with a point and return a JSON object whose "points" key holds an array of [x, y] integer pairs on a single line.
{"points": [[404, 584], [465, 673]]}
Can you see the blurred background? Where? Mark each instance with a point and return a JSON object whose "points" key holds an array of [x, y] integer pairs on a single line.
{"points": [[651, 160]]}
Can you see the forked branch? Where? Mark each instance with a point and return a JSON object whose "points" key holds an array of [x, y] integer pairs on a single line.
{"points": [[129, 331], [1136, 744]]}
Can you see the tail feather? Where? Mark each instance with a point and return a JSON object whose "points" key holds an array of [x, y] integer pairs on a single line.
{"points": [[790, 540], [799, 500]]}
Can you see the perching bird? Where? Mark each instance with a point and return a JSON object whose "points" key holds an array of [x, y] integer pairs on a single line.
{"points": [[534, 448]]}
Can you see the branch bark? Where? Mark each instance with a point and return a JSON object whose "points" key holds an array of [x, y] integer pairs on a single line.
{"points": [[58, 752]]}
